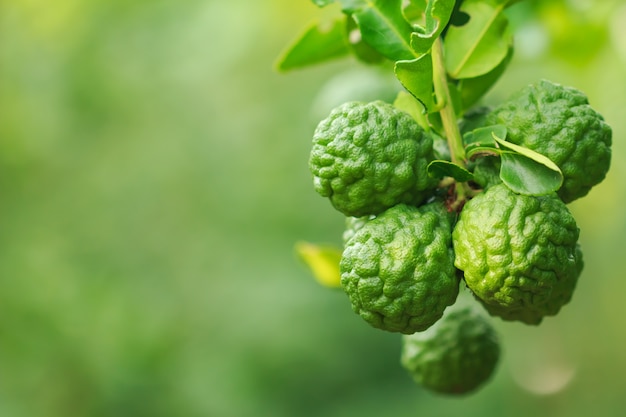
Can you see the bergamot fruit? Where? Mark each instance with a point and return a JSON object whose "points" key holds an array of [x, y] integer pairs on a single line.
{"points": [[558, 122], [518, 253], [368, 157], [398, 268], [456, 355], [353, 224]]}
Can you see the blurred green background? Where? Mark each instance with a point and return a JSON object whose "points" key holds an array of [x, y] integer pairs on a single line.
{"points": [[153, 182]]}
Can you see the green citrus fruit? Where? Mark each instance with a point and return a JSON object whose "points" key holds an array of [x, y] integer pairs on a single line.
{"points": [[456, 355], [367, 157], [353, 224], [398, 268], [518, 253], [558, 122]]}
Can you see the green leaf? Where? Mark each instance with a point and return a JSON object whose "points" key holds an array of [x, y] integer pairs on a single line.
{"points": [[478, 150], [481, 44], [417, 77], [484, 136], [322, 3], [409, 104], [414, 11], [436, 123], [526, 176], [481, 141], [315, 45], [455, 98], [359, 47], [441, 168], [322, 261], [536, 156], [458, 18], [383, 26], [472, 89], [526, 171], [437, 16]]}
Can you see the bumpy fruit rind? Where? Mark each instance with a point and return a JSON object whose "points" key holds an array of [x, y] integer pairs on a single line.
{"points": [[353, 224], [368, 157], [558, 122], [519, 254], [456, 355], [398, 268]]}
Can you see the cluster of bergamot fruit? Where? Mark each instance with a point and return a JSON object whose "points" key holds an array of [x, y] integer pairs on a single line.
{"points": [[409, 247]]}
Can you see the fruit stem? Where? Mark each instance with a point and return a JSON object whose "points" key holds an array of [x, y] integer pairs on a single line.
{"points": [[444, 101], [448, 117]]}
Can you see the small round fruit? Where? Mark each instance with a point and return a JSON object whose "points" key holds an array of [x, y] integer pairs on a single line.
{"points": [[558, 122], [456, 355], [398, 268], [368, 157], [519, 254]]}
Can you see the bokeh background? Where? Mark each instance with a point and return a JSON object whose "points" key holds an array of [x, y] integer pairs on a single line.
{"points": [[153, 182]]}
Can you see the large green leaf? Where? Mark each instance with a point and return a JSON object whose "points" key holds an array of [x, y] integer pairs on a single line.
{"points": [[417, 77], [315, 45], [472, 89], [383, 26], [437, 15], [481, 44], [361, 49]]}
